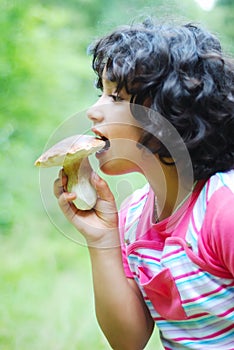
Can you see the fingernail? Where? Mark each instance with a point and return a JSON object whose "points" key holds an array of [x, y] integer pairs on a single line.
{"points": [[95, 176]]}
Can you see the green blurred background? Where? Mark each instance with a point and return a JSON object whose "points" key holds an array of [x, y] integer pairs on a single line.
{"points": [[46, 297]]}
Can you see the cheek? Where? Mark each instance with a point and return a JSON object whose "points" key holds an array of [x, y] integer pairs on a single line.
{"points": [[122, 123], [125, 132], [124, 147]]}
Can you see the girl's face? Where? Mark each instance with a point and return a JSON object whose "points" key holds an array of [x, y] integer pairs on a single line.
{"points": [[113, 121]]}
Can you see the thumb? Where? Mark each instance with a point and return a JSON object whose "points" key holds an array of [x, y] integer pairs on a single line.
{"points": [[102, 188]]}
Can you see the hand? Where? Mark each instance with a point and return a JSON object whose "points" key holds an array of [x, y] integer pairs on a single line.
{"points": [[99, 225]]}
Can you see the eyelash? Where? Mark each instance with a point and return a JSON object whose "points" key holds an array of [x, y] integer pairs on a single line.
{"points": [[115, 98]]}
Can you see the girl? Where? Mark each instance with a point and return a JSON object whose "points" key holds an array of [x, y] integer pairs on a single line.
{"points": [[166, 111]]}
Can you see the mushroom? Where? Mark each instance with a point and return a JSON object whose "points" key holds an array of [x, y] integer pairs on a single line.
{"points": [[72, 153]]}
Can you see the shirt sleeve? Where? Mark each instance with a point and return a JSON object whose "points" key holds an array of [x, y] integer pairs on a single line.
{"points": [[219, 230], [223, 237]]}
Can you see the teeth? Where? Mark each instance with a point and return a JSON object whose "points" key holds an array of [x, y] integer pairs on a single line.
{"points": [[107, 145], [99, 136]]}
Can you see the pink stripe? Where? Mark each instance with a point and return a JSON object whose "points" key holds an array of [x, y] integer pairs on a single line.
{"points": [[207, 191], [157, 319], [216, 334], [194, 224], [192, 216], [208, 294], [130, 224], [226, 312], [130, 212], [139, 200], [187, 274], [203, 295], [173, 253], [150, 257], [202, 314]]}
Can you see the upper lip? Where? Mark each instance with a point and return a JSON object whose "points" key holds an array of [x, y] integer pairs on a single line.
{"points": [[99, 134], [104, 138]]}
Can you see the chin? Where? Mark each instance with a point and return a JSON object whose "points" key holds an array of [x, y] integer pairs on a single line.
{"points": [[118, 167]]}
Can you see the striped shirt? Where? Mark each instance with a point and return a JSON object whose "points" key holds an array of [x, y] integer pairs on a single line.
{"points": [[184, 265]]}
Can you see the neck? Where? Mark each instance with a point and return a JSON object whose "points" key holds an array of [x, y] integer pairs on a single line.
{"points": [[170, 190]]}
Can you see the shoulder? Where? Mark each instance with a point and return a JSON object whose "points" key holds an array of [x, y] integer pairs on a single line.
{"points": [[216, 193], [219, 194], [220, 180]]}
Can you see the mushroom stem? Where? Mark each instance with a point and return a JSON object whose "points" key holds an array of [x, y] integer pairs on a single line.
{"points": [[78, 174], [72, 153]]}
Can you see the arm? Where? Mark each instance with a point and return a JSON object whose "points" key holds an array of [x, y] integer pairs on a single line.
{"points": [[120, 308]]}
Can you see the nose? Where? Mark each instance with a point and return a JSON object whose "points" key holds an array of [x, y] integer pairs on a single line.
{"points": [[95, 113]]}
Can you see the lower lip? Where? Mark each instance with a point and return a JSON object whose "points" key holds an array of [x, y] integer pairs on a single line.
{"points": [[100, 154]]}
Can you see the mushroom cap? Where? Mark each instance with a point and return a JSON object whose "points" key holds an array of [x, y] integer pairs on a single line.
{"points": [[69, 150]]}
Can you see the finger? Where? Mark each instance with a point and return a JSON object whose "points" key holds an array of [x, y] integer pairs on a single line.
{"points": [[102, 188], [60, 184], [58, 188], [63, 177], [66, 205]]}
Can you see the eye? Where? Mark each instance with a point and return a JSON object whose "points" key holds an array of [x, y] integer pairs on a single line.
{"points": [[116, 98]]}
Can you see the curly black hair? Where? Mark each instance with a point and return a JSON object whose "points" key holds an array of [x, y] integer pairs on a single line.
{"points": [[179, 72]]}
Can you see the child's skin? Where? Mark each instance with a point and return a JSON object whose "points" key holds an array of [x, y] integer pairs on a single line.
{"points": [[167, 256], [111, 117]]}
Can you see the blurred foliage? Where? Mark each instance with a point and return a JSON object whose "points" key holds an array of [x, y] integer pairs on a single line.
{"points": [[45, 78], [225, 18]]}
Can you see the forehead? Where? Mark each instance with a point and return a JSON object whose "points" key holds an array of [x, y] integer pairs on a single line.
{"points": [[112, 81], [108, 84]]}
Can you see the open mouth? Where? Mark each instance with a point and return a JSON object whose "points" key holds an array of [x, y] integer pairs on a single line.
{"points": [[107, 143]]}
